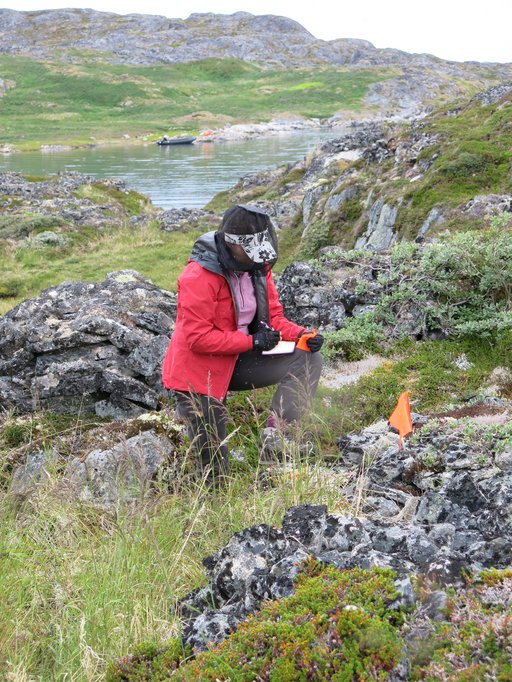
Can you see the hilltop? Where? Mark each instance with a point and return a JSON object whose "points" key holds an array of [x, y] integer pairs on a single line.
{"points": [[146, 39]]}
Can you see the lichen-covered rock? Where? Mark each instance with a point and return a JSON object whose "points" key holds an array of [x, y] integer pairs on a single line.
{"points": [[122, 473], [26, 477], [452, 511], [184, 219], [87, 346]]}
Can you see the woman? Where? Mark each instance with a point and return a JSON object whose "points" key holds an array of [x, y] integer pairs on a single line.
{"points": [[228, 315]]}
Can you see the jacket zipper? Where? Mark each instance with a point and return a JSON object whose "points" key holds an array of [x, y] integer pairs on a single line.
{"points": [[240, 290]]}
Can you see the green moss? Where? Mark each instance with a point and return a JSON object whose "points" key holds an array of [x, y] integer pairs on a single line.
{"points": [[36, 178], [102, 193]]}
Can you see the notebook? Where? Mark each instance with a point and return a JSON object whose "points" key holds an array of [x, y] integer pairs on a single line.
{"points": [[282, 347]]}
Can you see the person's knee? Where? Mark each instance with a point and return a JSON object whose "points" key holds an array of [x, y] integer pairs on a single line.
{"points": [[315, 362]]}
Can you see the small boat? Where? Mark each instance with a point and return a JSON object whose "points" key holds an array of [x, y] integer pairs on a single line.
{"points": [[166, 140]]}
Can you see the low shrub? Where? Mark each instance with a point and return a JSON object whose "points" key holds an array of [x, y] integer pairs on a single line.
{"points": [[336, 626]]}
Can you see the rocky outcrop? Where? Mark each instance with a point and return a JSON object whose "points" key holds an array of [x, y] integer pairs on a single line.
{"points": [[67, 200], [140, 38], [84, 346], [492, 95], [380, 234], [439, 507], [102, 476], [184, 219], [372, 186], [489, 205]]}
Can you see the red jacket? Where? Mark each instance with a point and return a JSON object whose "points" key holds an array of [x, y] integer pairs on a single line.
{"points": [[206, 342]]}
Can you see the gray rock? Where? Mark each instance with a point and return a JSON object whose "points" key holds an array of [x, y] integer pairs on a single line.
{"points": [[27, 476], [86, 346], [185, 219], [489, 205], [435, 217], [380, 507], [334, 201], [379, 235], [503, 459], [123, 473], [308, 206]]}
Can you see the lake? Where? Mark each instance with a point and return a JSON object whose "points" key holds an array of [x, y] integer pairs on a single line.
{"points": [[177, 176]]}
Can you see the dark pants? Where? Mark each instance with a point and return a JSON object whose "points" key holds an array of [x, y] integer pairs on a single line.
{"points": [[297, 375]]}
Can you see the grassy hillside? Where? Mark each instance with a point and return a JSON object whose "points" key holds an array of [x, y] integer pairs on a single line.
{"points": [[82, 587], [89, 256], [57, 102]]}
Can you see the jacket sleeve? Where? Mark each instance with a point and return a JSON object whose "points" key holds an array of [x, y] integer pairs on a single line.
{"points": [[289, 330], [197, 309]]}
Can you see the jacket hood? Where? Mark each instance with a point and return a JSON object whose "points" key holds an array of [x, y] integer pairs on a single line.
{"points": [[204, 252]]}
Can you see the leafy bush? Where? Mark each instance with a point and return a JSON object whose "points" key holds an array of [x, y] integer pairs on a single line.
{"points": [[459, 285], [359, 336], [317, 236]]}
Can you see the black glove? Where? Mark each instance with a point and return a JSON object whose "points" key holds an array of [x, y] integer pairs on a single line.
{"points": [[315, 342], [265, 338]]}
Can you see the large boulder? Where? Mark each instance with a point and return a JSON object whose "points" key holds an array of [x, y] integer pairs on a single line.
{"points": [[84, 346], [121, 473]]}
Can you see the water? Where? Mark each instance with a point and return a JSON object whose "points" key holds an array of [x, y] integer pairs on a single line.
{"points": [[180, 175]]}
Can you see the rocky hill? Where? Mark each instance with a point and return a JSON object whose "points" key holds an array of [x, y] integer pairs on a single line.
{"points": [[74, 35], [385, 182]]}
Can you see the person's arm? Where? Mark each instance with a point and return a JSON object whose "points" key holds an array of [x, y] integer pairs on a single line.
{"points": [[198, 309], [289, 330]]}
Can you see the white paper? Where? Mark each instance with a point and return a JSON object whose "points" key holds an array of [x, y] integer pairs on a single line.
{"points": [[281, 348]]}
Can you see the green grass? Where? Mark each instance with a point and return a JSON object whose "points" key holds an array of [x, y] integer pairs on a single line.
{"points": [[89, 256], [59, 102]]}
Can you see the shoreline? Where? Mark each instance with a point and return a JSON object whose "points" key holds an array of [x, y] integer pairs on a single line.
{"points": [[237, 132]]}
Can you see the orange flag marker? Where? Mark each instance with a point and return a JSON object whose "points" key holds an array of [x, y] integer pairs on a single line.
{"points": [[401, 418]]}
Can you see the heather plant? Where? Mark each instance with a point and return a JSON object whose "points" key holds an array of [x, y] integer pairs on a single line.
{"points": [[338, 625], [474, 642]]}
